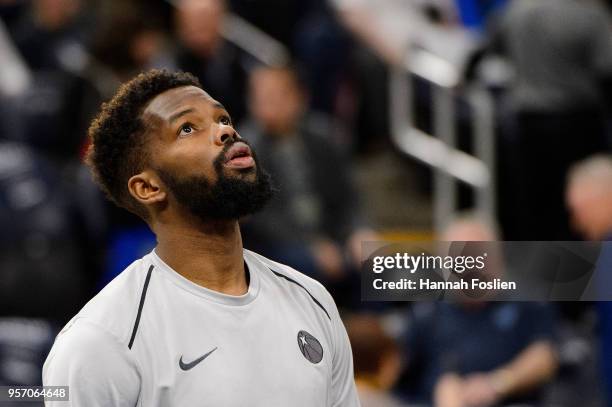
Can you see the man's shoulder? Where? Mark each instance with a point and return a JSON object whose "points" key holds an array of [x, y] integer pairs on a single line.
{"points": [[95, 364], [281, 273], [114, 307]]}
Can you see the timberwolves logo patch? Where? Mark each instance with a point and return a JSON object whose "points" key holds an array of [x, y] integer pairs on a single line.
{"points": [[310, 347]]}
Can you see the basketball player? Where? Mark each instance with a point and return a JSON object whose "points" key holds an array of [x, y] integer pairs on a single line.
{"points": [[199, 321]]}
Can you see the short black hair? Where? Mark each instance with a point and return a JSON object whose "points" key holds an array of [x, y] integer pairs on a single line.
{"points": [[117, 134]]}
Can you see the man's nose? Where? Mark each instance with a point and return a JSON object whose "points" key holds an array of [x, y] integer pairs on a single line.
{"points": [[227, 135]]}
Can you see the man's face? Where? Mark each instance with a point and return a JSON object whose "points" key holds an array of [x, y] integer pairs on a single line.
{"points": [[202, 161], [589, 204], [198, 24], [275, 100]]}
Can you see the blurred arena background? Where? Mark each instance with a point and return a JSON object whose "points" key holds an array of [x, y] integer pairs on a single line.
{"points": [[378, 119]]}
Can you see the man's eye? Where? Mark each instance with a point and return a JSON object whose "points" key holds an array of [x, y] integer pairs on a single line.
{"points": [[225, 121], [185, 129]]}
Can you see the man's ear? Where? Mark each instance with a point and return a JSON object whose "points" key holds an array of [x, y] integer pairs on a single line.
{"points": [[146, 188]]}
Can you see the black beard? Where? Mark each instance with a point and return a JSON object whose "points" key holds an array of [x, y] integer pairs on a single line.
{"points": [[230, 198]]}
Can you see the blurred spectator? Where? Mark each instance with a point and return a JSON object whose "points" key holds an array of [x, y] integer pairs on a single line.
{"points": [[589, 198], [377, 360], [313, 223], [129, 40], [51, 229], [311, 34], [49, 31], [562, 54], [52, 37], [474, 353], [219, 65]]}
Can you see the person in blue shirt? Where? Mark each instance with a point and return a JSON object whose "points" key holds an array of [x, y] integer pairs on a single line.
{"points": [[479, 353]]}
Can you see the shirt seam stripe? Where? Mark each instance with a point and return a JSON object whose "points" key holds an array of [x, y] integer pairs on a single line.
{"points": [[140, 306], [304, 288]]}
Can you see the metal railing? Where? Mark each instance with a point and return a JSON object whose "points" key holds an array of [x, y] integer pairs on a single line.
{"points": [[254, 41], [440, 151]]}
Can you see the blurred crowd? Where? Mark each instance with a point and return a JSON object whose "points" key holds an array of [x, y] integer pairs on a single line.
{"points": [[307, 83]]}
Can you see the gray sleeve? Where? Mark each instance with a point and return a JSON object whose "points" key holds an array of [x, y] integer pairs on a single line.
{"points": [[97, 368], [344, 393]]}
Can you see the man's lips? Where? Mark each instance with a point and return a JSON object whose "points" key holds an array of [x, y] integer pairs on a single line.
{"points": [[239, 156]]}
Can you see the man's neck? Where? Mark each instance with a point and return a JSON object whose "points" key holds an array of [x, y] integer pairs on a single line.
{"points": [[209, 254]]}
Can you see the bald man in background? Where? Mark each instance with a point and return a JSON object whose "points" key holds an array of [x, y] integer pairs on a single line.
{"points": [[589, 200], [589, 197]]}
